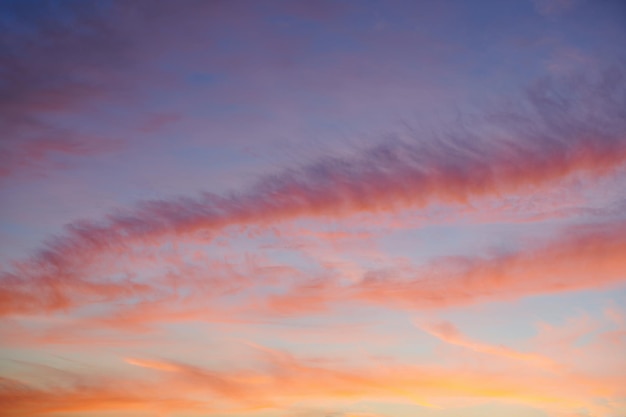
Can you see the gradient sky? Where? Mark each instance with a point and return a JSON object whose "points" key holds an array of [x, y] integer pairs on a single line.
{"points": [[349, 208]]}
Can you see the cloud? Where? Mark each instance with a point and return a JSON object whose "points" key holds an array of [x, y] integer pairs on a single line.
{"points": [[278, 380], [69, 60], [552, 7], [53, 60], [282, 380], [587, 344], [449, 333], [584, 257], [581, 258], [79, 394], [578, 130]]}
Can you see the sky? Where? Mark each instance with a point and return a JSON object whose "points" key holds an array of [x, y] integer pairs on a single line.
{"points": [[293, 208]]}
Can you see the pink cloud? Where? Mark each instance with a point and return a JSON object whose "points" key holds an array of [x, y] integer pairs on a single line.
{"points": [[449, 333], [582, 258], [538, 149]]}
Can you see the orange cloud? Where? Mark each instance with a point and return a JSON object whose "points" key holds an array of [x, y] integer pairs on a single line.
{"points": [[280, 381], [585, 257], [284, 380], [86, 396], [448, 333], [534, 149]]}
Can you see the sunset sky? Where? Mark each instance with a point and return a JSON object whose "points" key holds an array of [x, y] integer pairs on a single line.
{"points": [[290, 208]]}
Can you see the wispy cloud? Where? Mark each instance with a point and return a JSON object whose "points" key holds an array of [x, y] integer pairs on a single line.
{"points": [[587, 257], [579, 131], [312, 208], [52, 63], [449, 333]]}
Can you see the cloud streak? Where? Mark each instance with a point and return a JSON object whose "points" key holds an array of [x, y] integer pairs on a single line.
{"points": [[52, 63], [580, 132], [272, 379], [448, 332], [587, 258]]}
